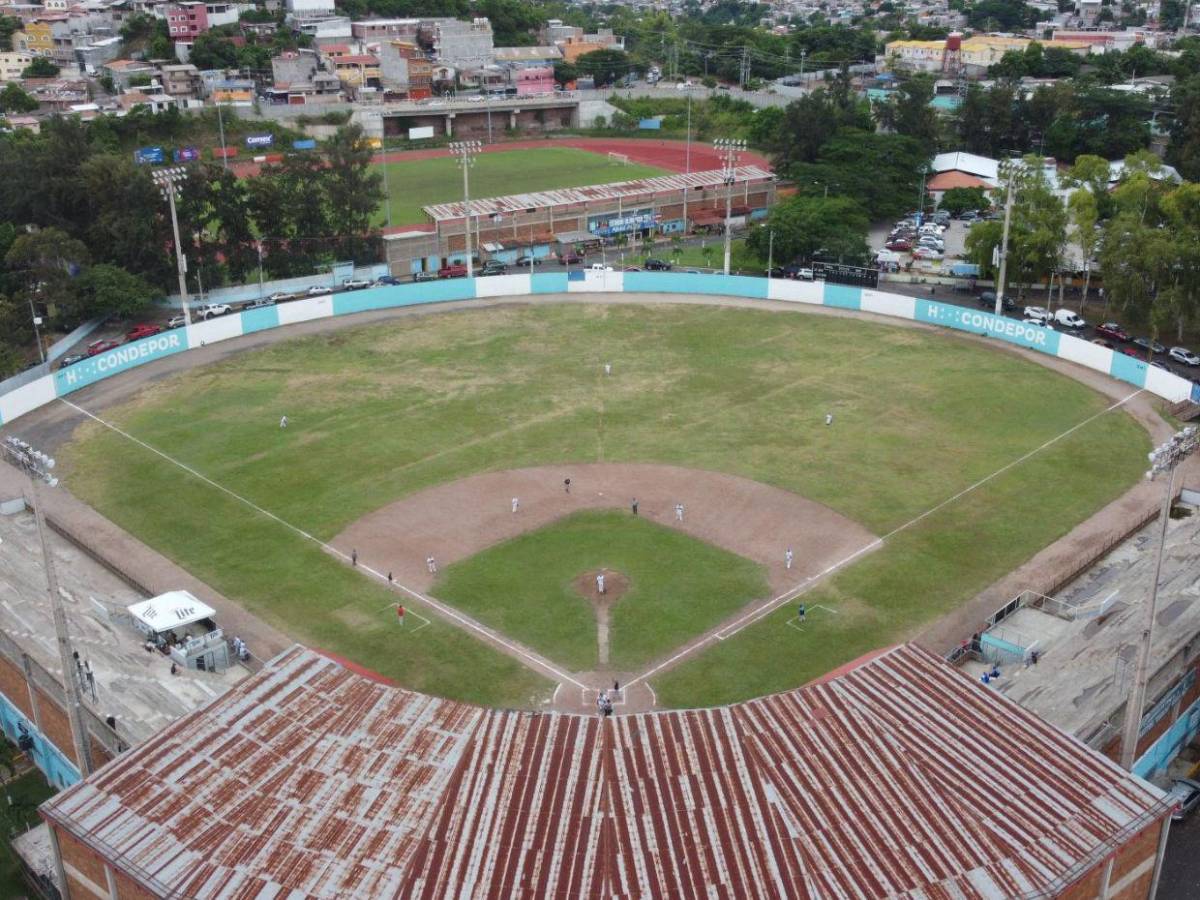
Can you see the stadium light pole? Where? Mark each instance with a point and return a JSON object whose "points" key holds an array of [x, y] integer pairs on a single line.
{"points": [[730, 148], [39, 468], [1011, 170], [387, 191], [168, 181], [466, 152], [1163, 459]]}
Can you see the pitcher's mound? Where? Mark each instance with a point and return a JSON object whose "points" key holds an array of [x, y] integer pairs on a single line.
{"points": [[615, 586]]}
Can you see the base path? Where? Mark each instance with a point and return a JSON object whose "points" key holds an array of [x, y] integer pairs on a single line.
{"points": [[457, 520]]}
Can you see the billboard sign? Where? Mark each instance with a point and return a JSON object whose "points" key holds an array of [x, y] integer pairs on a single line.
{"points": [[260, 140], [186, 154], [148, 156], [306, 144], [622, 224], [836, 273], [651, 124], [417, 134]]}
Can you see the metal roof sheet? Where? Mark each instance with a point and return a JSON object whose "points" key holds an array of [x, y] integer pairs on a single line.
{"points": [[897, 777], [644, 188]]}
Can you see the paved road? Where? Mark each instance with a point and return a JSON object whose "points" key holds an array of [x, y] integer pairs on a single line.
{"points": [[1180, 878]]}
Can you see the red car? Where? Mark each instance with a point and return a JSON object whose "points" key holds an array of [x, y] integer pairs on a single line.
{"points": [[141, 331], [570, 259], [455, 270], [1112, 330], [101, 346], [898, 245], [1135, 352]]}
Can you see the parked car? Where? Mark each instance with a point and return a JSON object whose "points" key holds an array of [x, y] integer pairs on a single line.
{"points": [[259, 303], [632, 269], [425, 276], [969, 216], [599, 267], [281, 297], [1147, 344], [141, 331], [526, 260], [101, 346], [927, 253], [803, 274], [355, 285], [776, 272], [493, 267], [900, 244], [1132, 351], [454, 270], [1069, 319], [570, 259], [987, 300], [387, 279], [1184, 355], [318, 290], [1114, 331], [657, 265], [212, 310], [1102, 343], [1037, 312], [176, 321], [71, 360]]}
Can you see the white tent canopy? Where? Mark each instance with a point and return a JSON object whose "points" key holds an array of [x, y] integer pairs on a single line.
{"points": [[173, 609]]}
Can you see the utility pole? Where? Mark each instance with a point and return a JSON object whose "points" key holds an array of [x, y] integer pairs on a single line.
{"points": [[1164, 458], [221, 127], [466, 152], [729, 148], [1012, 166], [770, 252], [168, 181], [803, 54], [261, 291], [38, 466]]}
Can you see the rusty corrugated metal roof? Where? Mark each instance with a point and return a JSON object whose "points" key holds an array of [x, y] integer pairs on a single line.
{"points": [[641, 190], [899, 777]]}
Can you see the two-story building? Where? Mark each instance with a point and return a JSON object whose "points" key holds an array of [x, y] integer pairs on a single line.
{"points": [[13, 63], [404, 70]]}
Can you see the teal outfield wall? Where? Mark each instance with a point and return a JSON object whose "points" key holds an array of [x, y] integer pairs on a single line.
{"points": [[39, 392]]}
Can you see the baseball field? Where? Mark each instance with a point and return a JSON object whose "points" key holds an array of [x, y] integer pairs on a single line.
{"points": [[415, 182], [409, 439]]}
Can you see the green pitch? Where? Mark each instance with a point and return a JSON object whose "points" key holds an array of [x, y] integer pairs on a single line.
{"points": [[380, 411], [413, 184], [679, 587]]}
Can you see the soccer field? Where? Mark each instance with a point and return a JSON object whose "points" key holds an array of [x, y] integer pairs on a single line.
{"points": [[385, 411], [413, 184]]}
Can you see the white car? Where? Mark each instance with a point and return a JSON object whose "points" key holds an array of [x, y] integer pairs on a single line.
{"points": [[685, 86], [318, 289], [1069, 319], [176, 321], [1184, 355], [1038, 313], [213, 309], [355, 285]]}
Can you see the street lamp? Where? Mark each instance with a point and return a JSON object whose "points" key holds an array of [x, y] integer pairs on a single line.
{"points": [[39, 467], [168, 181], [729, 148], [1013, 171], [1164, 458], [466, 152]]}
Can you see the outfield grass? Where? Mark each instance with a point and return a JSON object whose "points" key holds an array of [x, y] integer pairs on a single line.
{"points": [[381, 411], [678, 586], [413, 184]]}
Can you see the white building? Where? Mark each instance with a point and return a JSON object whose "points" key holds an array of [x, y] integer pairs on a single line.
{"points": [[306, 9]]}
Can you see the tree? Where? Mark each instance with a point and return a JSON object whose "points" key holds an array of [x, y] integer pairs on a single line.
{"points": [[14, 100], [1084, 212], [9, 25], [109, 290], [803, 225], [981, 246], [604, 66], [957, 201], [48, 261], [353, 192], [1001, 15], [1184, 150], [213, 50], [909, 112], [880, 171], [40, 68], [565, 73]]}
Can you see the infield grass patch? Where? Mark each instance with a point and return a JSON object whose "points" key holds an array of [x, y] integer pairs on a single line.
{"points": [[678, 586], [424, 182]]}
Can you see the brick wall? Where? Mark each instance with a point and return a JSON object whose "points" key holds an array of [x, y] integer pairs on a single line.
{"points": [[1132, 872], [12, 685]]}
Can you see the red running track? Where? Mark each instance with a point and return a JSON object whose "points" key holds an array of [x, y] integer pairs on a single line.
{"points": [[670, 155]]}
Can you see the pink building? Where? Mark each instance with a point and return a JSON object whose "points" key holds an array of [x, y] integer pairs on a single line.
{"points": [[185, 21], [534, 80]]}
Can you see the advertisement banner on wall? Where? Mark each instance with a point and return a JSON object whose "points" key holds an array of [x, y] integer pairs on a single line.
{"points": [[186, 154], [305, 144], [606, 225], [148, 156], [260, 140], [127, 356], [1023, 334], [418, 134]]}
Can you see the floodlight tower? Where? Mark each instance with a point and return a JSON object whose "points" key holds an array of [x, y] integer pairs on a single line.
{"points": [[39, 468], [1164, 458], [730, 148], [466, 152], [169, 181]]}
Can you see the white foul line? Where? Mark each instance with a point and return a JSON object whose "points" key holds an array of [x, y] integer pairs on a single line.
{"points": [[450, 613], [769, 607]]}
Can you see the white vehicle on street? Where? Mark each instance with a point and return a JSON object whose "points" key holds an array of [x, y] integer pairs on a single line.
{"points": [[318, 289], [213, 310], [1184, 355], [1069, 319], [1038, 314], [176, 321]]}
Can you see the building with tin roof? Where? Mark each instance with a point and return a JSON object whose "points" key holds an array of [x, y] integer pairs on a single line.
{"points": [[896, 776]]}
